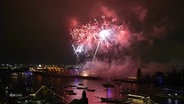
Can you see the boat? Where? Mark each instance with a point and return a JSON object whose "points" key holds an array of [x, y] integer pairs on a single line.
{"points": [[108, 84], [126, 91], [135, 96], [81, 84], [112, 100], [91, 90], [139, 99], [85, 88]]}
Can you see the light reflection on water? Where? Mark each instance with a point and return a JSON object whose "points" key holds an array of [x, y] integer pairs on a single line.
{"points": [[169, 101], [173, 101], [31, 85]]}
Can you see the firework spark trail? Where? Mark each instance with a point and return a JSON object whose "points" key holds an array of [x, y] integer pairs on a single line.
{"points": [[76, 53], [103, 35], [96, 50]]}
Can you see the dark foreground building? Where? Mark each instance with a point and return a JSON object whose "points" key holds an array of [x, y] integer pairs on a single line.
{"points": [[83, 100]]}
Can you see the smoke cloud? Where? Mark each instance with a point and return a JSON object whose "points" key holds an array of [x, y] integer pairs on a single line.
{"points": [[144, 27]]}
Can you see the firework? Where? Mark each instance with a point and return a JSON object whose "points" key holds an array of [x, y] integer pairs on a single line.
{"points": [[76, 52], [100, 34], [96, 50]]}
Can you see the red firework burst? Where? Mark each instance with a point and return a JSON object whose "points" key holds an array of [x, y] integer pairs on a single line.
{"points": [[100, 34]]}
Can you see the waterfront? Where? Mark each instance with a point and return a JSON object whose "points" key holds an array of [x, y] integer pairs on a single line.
{"points": [[21, 85]]}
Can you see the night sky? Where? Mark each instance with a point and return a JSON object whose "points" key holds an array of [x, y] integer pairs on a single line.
{"points": [[37, 31]]}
